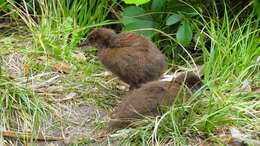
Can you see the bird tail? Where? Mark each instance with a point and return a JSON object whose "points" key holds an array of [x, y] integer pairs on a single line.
{"points": [[190, 79]]}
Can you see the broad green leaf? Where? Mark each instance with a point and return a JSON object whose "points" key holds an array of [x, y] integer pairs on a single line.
{"points": [[133, 11], [136, 2], [176, 6], [157, 5], [173, 19], [139, 24], [136, 18], [184, 33]]}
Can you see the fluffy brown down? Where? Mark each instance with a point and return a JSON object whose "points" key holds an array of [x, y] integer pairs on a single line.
{"points": [[132, 57], [147, 100]]}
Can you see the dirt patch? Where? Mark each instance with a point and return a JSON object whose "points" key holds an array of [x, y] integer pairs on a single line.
{"points": [[75, 121]]}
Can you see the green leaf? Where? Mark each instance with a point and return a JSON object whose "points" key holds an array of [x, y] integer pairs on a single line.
{"points": [[257, 7], [184, 33], [139, 24], [157, 5], [173, 19], [177, 6], [136, 2], [136, 18], [133, 11]]}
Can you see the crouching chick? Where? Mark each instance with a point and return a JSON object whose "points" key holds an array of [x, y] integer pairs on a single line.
{"points": [[150, 97]]}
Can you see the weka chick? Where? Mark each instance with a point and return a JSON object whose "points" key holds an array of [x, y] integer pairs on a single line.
{"points": [[130, 56], [149, 98]]}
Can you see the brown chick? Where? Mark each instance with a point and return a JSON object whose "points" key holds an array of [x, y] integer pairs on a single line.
{"points": [[150, 97], [130, 56]]}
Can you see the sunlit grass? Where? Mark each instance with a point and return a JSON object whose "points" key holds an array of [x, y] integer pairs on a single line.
{"points": [[59, 25], [53, 31], [20, 108]]}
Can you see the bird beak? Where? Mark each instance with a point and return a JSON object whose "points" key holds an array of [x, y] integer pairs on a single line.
{"points": [[84, 44]]}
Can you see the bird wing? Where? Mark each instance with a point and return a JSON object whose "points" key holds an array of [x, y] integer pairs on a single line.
{"points": [[141, 104], [126, 60], [127, 39]]}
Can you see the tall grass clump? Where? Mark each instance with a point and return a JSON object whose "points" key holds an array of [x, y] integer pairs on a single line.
{"points": [[57, 26], [20, 108], [230, 50]]}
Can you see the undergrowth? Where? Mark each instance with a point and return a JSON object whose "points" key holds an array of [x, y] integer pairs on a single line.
{"points": [[20, 108], [54, 28], [230, 50], [58, 26]]}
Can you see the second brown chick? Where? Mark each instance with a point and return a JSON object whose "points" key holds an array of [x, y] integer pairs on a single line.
{"points": [[150, 97], [130, 56]]}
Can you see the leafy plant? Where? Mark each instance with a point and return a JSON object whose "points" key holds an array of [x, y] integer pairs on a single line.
{"points": [[135, 18], [161, 15], [184, 33], [173, 19], [178, 18]]}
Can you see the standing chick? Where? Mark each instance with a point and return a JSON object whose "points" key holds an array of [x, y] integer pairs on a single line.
{"points": [[147, 100], [130, 56]]}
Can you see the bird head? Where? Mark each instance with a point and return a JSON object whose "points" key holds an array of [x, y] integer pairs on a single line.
{"points": [[99, 38]]}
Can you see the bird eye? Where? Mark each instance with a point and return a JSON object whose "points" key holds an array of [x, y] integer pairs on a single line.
{"points": [[91, 38]]}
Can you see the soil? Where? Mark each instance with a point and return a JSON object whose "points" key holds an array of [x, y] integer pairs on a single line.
{"points": [[75, 122]]}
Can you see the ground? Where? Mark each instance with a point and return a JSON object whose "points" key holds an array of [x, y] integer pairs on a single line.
{"points": [[80, 101]]}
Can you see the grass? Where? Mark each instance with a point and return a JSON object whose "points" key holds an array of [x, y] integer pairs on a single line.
{"points": [[61, 24], [20, 107], [31, 97], [229, 47], [231, 68], [52, 33]]}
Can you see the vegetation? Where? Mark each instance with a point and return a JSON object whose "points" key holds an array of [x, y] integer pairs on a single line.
{"points": [[39, 38], [216, 105]]}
